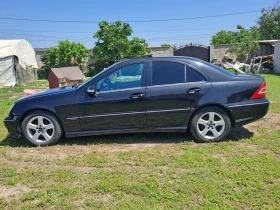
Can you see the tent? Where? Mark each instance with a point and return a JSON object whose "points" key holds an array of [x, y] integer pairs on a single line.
{"points": [[17, 62]]}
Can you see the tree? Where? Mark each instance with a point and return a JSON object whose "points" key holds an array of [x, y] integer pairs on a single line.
{"points": [[225, 37], [66, 54], [113, 44], [247, 42], [269, 22], [244, 42], [165, 45]]}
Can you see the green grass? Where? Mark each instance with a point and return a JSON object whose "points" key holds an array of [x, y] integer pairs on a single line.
{"points": [[143, 171]]}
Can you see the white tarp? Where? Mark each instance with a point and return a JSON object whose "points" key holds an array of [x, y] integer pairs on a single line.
{"points": [[7, 72], [20, 48]]}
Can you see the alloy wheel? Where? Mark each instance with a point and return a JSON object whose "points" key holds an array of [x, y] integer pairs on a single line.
{"points": [[211, 125], [40, 129]]}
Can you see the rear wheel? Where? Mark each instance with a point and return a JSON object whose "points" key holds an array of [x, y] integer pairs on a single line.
{"points": [[210, 124], [41, 128]]}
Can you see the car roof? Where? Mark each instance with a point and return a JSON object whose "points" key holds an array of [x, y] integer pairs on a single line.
{"points": [[215, 73]]}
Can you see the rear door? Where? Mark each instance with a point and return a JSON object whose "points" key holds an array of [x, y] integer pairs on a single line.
{"points": [[173, 90]]}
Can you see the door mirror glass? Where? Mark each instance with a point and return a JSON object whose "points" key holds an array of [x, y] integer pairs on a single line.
{"points": [[91, 90]]}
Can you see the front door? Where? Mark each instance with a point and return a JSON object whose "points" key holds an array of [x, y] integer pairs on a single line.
{"points": [[119, 102]]}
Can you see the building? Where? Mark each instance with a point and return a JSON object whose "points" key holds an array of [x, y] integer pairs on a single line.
{"points": [[59, 77], [38, 53]]}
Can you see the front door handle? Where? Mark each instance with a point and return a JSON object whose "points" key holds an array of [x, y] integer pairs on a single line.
{"points": [[193, 90], [136, 95]]}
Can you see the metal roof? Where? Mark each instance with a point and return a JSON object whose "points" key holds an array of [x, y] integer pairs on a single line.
{"points": [[70, 73]]}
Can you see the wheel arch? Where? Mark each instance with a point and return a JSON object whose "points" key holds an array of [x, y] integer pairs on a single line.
{"points": [[38, 109], [213, 105]]}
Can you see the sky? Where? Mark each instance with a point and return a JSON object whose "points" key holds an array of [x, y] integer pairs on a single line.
{"points": [[179, 32]]}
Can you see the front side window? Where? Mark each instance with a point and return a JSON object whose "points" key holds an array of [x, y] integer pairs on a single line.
{"points": [[165, 72], [125, 77]]}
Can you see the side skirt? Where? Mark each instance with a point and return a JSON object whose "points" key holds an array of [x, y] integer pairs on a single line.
{"points": [[130, 130]]}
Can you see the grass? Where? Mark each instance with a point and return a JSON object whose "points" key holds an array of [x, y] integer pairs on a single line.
{"points": [[144, 171]]}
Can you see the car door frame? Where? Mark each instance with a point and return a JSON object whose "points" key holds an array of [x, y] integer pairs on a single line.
{"points": [[108, 72], [183, 111]]}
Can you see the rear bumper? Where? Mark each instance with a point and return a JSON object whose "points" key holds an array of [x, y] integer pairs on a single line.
{"points": [[11, 123], [249, 111]]}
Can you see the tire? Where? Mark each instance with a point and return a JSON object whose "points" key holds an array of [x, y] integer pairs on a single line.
{"points": [[210, 124], [41, 128]]}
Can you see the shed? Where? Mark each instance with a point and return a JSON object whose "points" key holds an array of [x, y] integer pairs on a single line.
{"points": [[17, 62], [59, 77]]}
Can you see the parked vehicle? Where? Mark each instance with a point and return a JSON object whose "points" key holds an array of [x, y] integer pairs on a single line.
{"points": [[146, 94]]}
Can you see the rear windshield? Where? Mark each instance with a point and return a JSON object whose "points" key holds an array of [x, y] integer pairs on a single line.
{"points": [[218, 68]]}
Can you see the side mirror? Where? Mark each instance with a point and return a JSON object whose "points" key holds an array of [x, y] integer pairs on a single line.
{"points": [[91, 90]]}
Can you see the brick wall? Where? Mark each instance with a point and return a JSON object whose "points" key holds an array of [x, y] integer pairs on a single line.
{"points": [[219, 51], [161, 51]]}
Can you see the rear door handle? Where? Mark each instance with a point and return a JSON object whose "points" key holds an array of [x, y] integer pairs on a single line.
{"points": [[136, 95], [193, 90]]}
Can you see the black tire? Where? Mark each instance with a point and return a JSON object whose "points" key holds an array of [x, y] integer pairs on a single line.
{"points": [[56, 131], [197, 129]]}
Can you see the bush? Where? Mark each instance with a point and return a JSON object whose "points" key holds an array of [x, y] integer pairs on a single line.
{"points": [[43, 73]]}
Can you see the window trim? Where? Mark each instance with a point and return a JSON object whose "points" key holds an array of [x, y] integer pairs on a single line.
{"points": [[176, 84], [120, 90]]}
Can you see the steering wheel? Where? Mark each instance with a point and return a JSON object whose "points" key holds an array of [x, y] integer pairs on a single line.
{"points": [[106, 84]]}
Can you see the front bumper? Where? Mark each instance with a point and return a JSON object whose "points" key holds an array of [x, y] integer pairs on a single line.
{"points": [[11, 123], [250, 111]]}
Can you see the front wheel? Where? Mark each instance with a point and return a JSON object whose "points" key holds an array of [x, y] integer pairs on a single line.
{"points": [[41, 128], [210, 124]]}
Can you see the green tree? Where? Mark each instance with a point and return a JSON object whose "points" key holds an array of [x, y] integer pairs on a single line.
{"points": [[269, 22], [113, 44], [225, 37], [247, 42], [66, 54], [165, 45]]}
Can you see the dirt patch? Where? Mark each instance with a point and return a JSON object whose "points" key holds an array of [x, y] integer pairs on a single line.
{"points": [[9, 192], [127, 147], [49, 153], [21, 165], [254, 149], [219, 156], [269, 123]]}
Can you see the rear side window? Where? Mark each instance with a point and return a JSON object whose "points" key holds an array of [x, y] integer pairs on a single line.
{"points": [[165, 72], [193, 75]]}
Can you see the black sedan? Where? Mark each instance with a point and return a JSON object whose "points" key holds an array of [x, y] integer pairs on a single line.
{"points": [[146, 94]]}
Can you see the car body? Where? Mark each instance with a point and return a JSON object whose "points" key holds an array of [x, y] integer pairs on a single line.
{"points": [[146, 94]]}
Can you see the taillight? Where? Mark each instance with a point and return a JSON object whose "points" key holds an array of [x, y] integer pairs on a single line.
{"points": [[260, 93]]}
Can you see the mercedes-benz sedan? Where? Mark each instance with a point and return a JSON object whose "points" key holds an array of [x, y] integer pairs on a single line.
{"points": [[146, 94]]}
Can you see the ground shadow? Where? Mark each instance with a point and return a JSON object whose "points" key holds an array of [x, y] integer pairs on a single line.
{"points": [[137, 138], [239, 133]]}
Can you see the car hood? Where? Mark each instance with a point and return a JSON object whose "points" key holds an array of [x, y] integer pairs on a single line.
{"points": [[49, 92]]}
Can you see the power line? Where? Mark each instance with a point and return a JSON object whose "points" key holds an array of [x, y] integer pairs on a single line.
{"points": [[127, 21], [85, 41], [92, 39], [76, 38], [90, 32]]}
